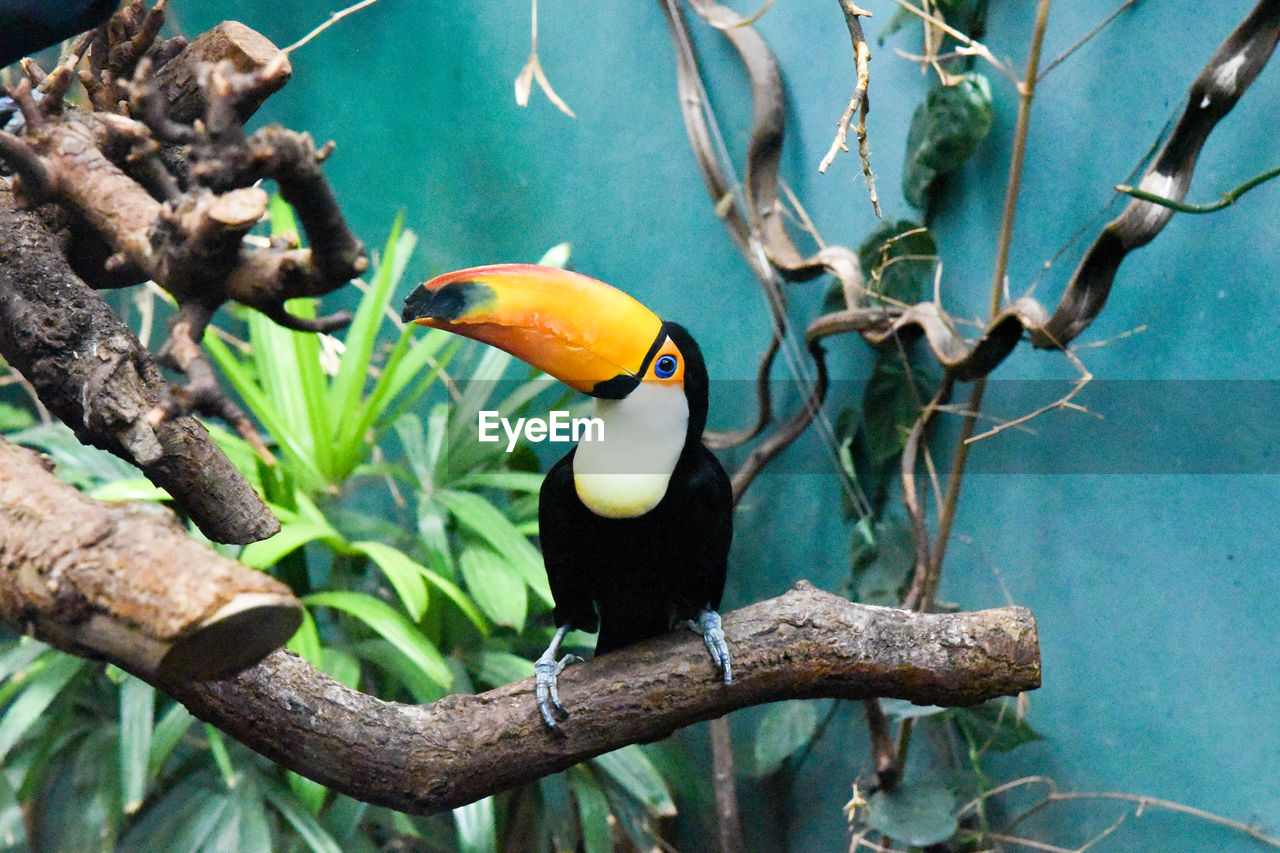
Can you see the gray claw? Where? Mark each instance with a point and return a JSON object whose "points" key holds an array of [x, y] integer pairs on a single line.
{"points": [[708, 625], [547, 670]]}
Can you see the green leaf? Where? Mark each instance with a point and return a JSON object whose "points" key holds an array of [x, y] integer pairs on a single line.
{"points": [[182, 820], [993, 726], [513, 481], [13, 826], [593, 812], [403, 671], [137, 719], [557, 812], [901, 709], [484, 381], [945, 131], [340, 666], [891, 404], [361, 336], [477, 827], [412, 368], [786, 727], [262, 404], [498, 668], [18, 657], [245, 826], [131, 489], [166, 734], [307, 791], [918, 815], [305, 642], [79, 464], [313, 835], [314, 388], [343, 819], [478, 516], [14, 418], [460, 599], [218, 749], [880, 571], [37, 694], [557, 256], [82, 801], [898, 260], [433, 523], [497, 590], [292, 536], [386, 622], [405, 575], [275, 359], [635, 773], [401, 563]]}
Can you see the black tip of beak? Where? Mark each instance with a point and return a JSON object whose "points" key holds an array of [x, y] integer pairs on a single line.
{"points": [[449, 302], [615, 388]]}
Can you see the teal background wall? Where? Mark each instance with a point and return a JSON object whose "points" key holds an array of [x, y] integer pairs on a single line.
{"points": [[1156, 593]]}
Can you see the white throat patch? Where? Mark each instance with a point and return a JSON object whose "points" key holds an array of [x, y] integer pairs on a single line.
{"points": [[626, 474]]}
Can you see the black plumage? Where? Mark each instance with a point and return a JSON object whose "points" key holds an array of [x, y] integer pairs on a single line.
{"points": [[635, 578], [27, 26]]}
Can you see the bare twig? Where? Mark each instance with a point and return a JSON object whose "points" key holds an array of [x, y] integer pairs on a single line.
{"points": [[859, 103], [1087, 37], [947, 512], [532, 70], [1142, 801], [1063, 402], [334, 17], [971, 46]]}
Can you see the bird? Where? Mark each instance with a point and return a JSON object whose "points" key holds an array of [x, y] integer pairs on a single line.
{"points": [[635, 524], [27, 26]]}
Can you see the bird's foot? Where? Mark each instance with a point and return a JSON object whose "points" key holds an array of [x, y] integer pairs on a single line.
{"points": [[547, 671], [708, 625]]}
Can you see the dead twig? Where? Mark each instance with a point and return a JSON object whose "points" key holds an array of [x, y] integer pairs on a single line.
{"points": [[859, 103]]}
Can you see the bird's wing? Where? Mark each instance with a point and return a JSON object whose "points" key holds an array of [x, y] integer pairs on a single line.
{"points": [[560, 531], [711, 512]]}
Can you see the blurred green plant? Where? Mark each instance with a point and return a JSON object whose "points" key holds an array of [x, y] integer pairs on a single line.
{"points": [[409, 544]]}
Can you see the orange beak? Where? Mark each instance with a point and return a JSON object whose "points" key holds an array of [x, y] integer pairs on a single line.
{"points": [[590, 336]]}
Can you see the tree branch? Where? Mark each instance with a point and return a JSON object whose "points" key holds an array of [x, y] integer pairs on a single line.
{"points": [[804, 644], [124, 582], [92, 372]]}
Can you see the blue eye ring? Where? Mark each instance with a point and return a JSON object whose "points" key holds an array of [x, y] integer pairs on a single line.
{"points": [[665, 366]]}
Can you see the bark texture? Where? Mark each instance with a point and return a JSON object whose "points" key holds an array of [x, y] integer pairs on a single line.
{"points": [[804, 644], [93, 373], [125, 583]]}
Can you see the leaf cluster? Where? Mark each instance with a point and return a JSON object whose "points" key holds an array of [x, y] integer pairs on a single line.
{"points": [[411, 546]]}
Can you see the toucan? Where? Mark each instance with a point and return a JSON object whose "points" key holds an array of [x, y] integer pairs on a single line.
{"points": [[27, 26], [635, 525]]}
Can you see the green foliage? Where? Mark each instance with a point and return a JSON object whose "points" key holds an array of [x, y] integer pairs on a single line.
{"points": [[785, 729], [881, 560], [898, 260], [992, 727], [918, 815], [945, 131], [409, 544]]}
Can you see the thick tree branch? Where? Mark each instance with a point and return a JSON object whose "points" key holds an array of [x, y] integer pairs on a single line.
{"points": [[123, 583], [159, 181], [126, 583], [805, 644], [91, 371]]}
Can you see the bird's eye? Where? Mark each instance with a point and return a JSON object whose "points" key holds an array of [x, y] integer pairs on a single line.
{"points": [[665, 366]]}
